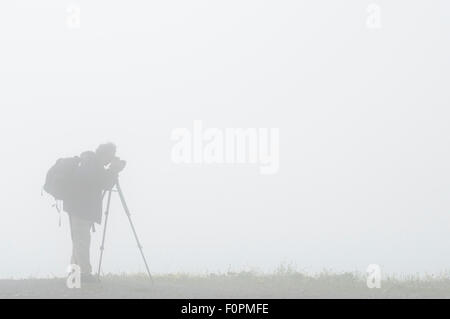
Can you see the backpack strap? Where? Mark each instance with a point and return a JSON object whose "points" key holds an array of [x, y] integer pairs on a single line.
{"points": [[58, 209]]}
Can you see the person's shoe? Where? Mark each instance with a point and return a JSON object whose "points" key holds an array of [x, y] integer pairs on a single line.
{"points": [[89, 279]]}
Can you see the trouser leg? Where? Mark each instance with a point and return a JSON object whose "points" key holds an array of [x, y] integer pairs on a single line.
{"points": [[81, 241]]}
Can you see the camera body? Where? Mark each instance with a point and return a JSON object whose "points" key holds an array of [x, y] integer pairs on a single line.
{"points": [[117, 164]]}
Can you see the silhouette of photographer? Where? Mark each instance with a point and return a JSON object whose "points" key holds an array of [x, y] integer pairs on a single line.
{"points": [[96, 173]]}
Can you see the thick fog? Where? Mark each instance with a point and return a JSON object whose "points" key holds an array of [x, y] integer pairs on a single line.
{"points": [[359, 94]]}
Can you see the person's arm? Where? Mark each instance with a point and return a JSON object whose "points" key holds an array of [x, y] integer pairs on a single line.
{"points": [[110, 174], [108, 179]]}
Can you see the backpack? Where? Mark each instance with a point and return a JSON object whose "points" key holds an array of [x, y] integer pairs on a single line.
{"points": [[59, 181]]}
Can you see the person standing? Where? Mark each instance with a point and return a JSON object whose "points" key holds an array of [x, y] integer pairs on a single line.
{"points": [[97, 172]]}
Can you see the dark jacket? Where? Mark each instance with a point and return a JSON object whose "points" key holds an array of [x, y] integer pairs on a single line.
{"points": [[90, 180]]}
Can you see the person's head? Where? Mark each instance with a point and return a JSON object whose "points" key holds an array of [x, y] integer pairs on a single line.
{"points": [[106, 153]]}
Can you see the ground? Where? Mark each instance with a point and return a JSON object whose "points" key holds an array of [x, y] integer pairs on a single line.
{"points": [[231, 285]]}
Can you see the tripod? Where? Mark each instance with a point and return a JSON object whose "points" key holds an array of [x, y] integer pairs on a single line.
{"points": [[127, 212]]}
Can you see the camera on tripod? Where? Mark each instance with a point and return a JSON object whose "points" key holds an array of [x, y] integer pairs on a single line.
{"points": [[117, 164]]}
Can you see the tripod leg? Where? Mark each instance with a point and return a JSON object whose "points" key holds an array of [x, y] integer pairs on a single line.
{"points": [[102, 247], [127, 212]]}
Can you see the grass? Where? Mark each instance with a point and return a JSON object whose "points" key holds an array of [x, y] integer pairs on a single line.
{"points": [[283, 283]]}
